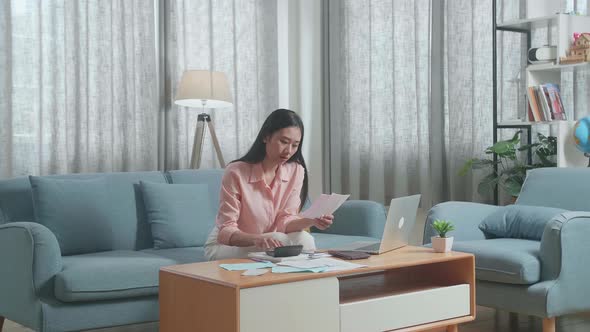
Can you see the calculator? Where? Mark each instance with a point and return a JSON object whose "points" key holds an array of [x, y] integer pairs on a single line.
{"points": [[285, 251]]}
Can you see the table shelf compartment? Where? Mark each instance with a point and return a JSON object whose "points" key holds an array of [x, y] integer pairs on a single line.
{"points": [[383, 307]]}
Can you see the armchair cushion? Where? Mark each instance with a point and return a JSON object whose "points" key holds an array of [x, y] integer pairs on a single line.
{"points": [[109, 275], [518, 222], [179, 214], [510, 261]]}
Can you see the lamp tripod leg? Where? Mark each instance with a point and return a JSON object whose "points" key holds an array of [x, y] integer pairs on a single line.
{"points": [[216, 144], [198, 144]]}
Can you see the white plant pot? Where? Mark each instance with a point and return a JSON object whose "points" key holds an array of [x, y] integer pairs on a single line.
{"points": [[442, 244]]}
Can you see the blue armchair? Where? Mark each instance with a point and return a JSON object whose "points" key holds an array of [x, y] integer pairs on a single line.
{"points": [[546, 278]]}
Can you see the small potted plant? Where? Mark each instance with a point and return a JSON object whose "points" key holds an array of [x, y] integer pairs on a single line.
{"points": [[442, 243]]}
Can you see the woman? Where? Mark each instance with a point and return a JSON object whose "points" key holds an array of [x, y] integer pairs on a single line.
{"points": [[262, 193]]}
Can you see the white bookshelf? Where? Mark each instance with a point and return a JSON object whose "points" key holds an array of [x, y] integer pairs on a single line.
{"points": [[537, 74], [527, 24], [555, 67], [520, 123], [548, 15]]}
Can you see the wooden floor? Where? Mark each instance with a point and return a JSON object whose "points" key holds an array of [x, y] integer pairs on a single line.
{"points": [[488, 320]]}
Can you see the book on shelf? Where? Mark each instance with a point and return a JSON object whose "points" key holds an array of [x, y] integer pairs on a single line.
{"points": [[531, 117], [532, 98], [544, 103], [555, 100], [546, 111]]}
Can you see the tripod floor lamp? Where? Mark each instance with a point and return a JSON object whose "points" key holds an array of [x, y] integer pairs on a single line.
{"points": [[204, 89]]}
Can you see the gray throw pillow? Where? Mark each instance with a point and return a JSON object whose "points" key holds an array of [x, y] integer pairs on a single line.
{"points": [[179, 214], [76, 211], [518, 222]]}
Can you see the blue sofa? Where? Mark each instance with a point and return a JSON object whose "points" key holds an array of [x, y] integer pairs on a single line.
{"points": [[546, 278], [45, 290]]}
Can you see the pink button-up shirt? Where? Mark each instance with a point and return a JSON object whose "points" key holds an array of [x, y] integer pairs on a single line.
{"points": [[250, 205]]}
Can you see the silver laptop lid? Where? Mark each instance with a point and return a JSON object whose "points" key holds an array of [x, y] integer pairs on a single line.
{"points": [[400, 222]]}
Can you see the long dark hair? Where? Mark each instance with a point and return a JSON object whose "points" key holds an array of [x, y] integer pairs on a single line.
{"points": [[277, 120]]}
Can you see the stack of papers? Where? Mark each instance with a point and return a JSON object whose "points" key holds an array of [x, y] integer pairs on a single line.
{"points": [[246, 266], [325, 264], [289, 269], [295, 264], [263, 257]]}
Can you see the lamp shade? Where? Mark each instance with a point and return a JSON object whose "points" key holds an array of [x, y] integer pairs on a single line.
{"points": [[203, 88]]}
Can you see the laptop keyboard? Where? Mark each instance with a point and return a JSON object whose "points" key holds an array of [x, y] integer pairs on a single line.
{"points": [[371, 247]]}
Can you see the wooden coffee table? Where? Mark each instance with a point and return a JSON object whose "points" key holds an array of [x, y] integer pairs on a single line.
{"points": [[409, 289]]}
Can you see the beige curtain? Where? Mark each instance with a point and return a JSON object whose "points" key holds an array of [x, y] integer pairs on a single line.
{"points": [[379, 98], [467, 93], [78, 86]]}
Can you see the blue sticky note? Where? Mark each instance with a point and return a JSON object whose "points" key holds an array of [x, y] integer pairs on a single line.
{"points": [[246, 266]]}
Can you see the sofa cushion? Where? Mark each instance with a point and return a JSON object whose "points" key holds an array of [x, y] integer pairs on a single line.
{"points": [[180, 255], [518, 222], [109, 275], [334, 241], [15, 199], [179, 214], [76, 211], [511, 261], [210, 177], [123, 209]]}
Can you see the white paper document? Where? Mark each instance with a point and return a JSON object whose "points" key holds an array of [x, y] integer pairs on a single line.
{"points": [[323, 205], [329, 264], [254, 272]]}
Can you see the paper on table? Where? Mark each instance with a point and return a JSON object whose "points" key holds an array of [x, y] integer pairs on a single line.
{"points": [[330, 264], [254, 272], [289, 269], [325, 204], [246, 266]]}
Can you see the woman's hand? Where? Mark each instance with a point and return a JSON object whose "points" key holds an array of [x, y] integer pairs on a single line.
{"points": [[324, 221], [266, 241]]}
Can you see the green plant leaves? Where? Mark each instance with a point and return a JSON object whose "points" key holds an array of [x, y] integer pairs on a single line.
{"points": [[511, 172], [512, 186], [487, 184], [475, 163], [442, 227], [466, 167]]}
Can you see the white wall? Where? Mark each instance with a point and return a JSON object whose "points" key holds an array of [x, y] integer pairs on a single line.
{"points": [[300, 77]]}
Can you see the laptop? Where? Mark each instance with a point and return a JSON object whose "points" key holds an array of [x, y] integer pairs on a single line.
{"points": [[398, 226]]}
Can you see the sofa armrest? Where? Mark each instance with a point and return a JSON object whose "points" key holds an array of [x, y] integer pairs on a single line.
{"points": [[564, 263], [29, 259], [465, 216], [358, 217]]}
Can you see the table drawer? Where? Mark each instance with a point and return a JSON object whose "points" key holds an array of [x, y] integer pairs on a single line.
{"points": [[405, 309]]}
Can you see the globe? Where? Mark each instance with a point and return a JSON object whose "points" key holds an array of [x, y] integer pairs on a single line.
{"points": [[582, 134]]}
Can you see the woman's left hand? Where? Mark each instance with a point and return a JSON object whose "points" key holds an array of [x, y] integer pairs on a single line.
{"points": [[324, 221]]}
